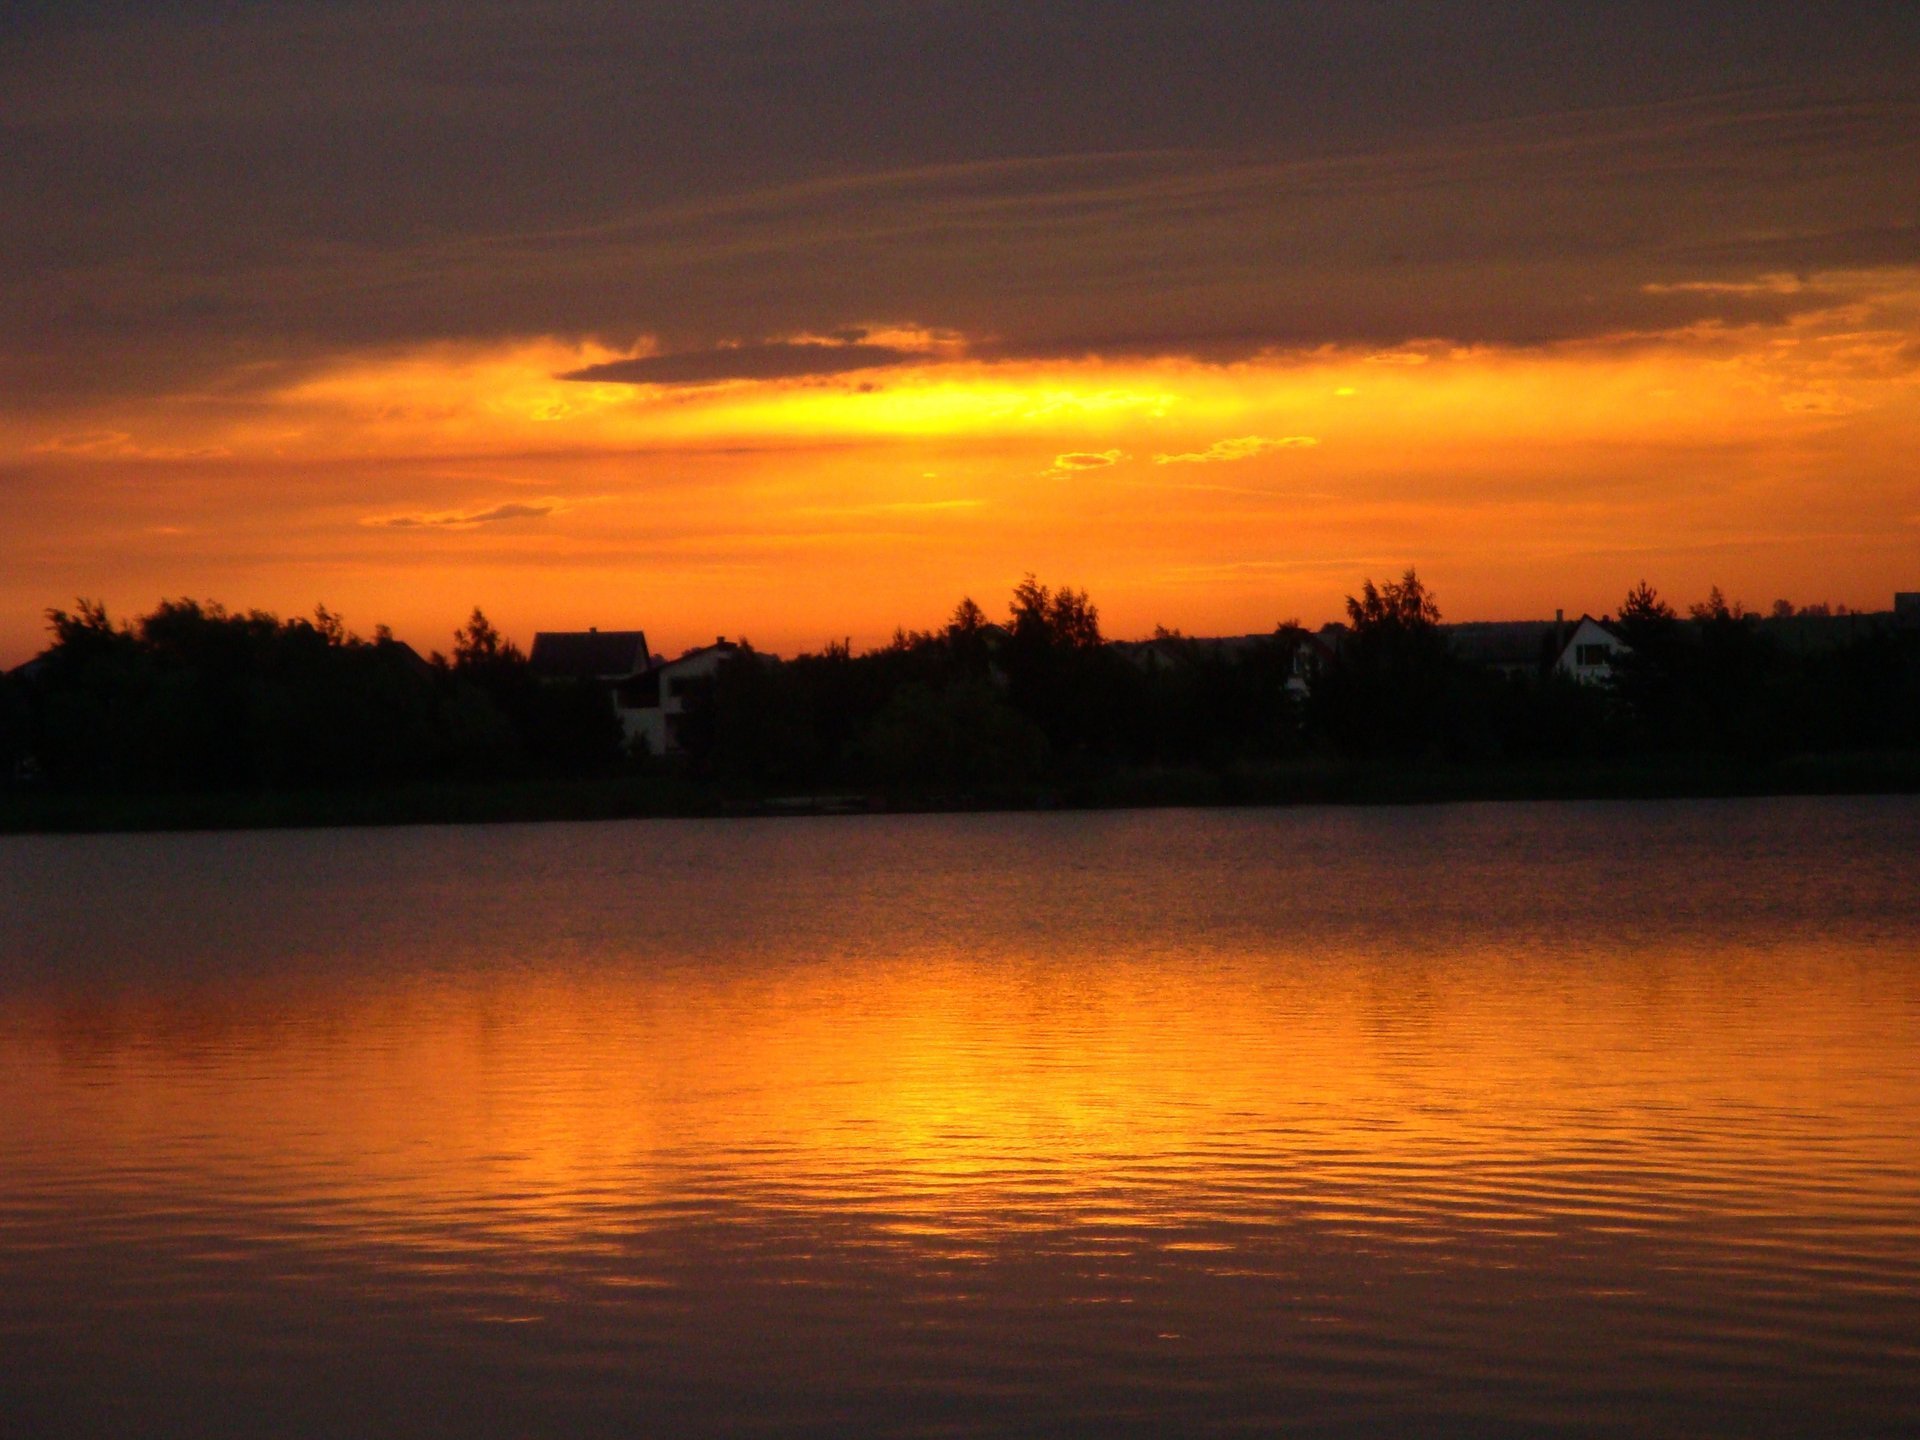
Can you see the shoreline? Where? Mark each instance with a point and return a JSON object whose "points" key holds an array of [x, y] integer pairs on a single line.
{"points": [[677, 797]]}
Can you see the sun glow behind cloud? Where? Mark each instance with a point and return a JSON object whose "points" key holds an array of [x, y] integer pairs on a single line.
{"points": [[408, 484]]}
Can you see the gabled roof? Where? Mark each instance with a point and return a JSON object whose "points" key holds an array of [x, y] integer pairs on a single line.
{"points": [[404, 653], [1602, 626], [589, 654], [1503, 642], [723, 645], [1583, 624]]}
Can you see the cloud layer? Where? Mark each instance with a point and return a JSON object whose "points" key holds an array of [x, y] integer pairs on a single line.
{"points": [[894, 297], [1074, 460], [195, 198], [1244, 447], [773, 360], [458, 520]]}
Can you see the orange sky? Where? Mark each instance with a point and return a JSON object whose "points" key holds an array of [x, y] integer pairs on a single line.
{"points": [[406, 485], [800, 322]]}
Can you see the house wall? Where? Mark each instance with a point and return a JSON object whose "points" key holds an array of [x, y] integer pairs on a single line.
{"points": [[656, 726], [1581, 657]]}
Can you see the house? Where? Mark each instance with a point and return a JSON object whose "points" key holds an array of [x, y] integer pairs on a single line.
{"points": [[1313, 652], [1306, 654], [1906, 609], [1167, 650], [653, 704], [1507, 647], [591, 654], [1588, 654]]}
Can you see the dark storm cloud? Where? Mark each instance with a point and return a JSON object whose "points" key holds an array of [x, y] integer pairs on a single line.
{"points": [[780, 360], [186, 190]]}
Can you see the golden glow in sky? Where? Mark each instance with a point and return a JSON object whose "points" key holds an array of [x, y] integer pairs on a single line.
{"points": [[800, 322], [405, 486]]}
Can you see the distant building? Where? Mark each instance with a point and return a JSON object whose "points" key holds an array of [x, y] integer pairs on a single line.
{"points": [[1813, 633], [404, 653], [1306, 653], [1313, 652], [653, 704], [1508, 647], [1589, 652], [1906, 609], [1165, 651], [589, 654]]}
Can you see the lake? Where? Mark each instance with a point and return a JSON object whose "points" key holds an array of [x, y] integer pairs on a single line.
{"points": [[1582, 1119]]}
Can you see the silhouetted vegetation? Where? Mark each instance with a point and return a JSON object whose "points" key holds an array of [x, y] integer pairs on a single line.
{"points": [[1039, 707], [986, 711], [1390, 689], [196, 698]]}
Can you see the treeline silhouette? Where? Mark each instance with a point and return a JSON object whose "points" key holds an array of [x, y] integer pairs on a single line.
{"points": [[195, 697], [968, 706]]}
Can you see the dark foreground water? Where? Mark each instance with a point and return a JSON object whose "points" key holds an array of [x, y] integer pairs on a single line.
{"points": [[1583, 1119]]}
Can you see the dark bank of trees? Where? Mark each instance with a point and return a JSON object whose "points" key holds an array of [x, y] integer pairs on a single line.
{"points": [[1042, 697], [978, 708], [1721, 683], [194, 698], [1728, 681]]}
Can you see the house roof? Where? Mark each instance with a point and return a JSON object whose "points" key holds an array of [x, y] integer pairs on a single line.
{"points": [[1601, 626], [1604, 627], [589, 654], [1503, 642], [1811, 634], [401, 651], [723, 645]]}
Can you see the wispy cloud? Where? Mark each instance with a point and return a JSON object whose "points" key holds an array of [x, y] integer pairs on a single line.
{"points": [[459, 520], [1243, 447], [1766, 285], [1085, 460], [895, 507], [772, 360], [118, 445]]}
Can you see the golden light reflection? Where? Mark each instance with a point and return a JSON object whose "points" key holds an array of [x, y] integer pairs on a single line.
{"points": [[974, 1094]]}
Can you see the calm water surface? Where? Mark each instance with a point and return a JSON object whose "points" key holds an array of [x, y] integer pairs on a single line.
{"points": [[1595, 1120]]}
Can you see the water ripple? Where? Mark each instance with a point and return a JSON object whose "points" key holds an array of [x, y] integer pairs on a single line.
{"points": [[1475, 1121]]}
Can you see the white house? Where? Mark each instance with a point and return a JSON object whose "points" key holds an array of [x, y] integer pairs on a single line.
{"points": [[652, 706], [1588, 654]]}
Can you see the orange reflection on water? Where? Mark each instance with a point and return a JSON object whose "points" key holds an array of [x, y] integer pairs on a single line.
{"points": [[970, 1093]]}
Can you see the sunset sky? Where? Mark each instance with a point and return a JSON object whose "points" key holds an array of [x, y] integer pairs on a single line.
{"points": [[798, 321]]}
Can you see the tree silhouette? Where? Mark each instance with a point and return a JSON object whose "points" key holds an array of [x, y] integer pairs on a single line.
{"points": [[1062, 619], [479, 647], [1386, 690], [1643, 612], [1399, 612]]}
